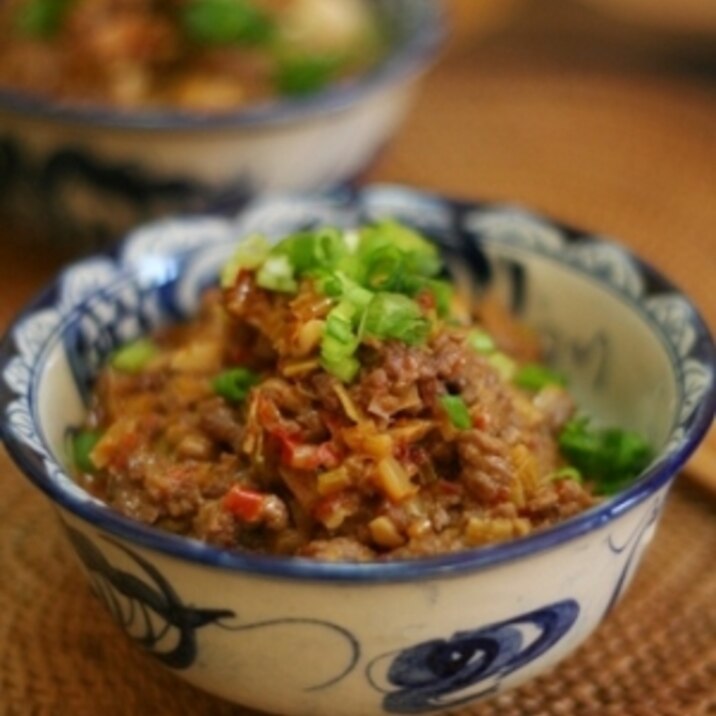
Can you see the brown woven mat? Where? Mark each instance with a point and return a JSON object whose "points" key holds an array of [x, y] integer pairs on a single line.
{"points": [[61, 654], [557, 114]]}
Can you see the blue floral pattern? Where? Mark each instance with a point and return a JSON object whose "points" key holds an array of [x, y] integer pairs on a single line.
{"points": [[443, 673]]}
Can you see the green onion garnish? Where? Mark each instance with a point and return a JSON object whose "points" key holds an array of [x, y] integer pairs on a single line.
{"points": [[340, 342], [392, 315], [82, 445], [534, 376], [41, 18], [566, 473], [503, 364], [420, 256], [481, 341], [226, 22], [249, 255], [234, 384], [457, 411], [610, 456], [133, 357], [303, 74], [277, 274]]}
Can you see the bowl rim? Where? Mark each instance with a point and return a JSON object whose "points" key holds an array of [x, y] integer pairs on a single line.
{"points": [[106, 519], [406, 59]]}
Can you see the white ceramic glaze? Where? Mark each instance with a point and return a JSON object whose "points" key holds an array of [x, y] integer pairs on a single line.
{"points": [[293, 636]]}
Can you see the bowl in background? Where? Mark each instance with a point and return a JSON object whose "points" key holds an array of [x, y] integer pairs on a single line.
{"points": [[86, 173], [295, 636]]}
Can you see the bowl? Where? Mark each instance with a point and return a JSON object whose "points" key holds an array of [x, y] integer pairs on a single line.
{"points": [[296, 636], [86, 173]]}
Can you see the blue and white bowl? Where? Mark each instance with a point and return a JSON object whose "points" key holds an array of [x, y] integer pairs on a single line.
{"points": [[87, 174], [294, 636]]}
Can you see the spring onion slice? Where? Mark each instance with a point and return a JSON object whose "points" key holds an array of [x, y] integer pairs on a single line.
{"points": [[421, 257], [134, 357], [249, 255], [392, 315], [534, 376], [481, 341], [234, 384], [41, 18], [301, 74], [81, 446], [610, 456], [457, 411], [566, 473], [226, 22], [340, 342], [277, 274]]}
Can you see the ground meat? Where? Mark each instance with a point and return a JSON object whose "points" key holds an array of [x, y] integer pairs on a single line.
{"points": [[304, 464]]}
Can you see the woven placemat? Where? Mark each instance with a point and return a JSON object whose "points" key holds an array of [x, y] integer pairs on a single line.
{"points": [[61, 653], [598, 134]]}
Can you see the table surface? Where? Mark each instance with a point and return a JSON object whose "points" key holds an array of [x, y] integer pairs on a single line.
{"points": [[561, 112]]}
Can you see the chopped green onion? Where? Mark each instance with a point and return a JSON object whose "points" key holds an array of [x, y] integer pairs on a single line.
{"points": [[303, 74], [503, 364], [249, 254], [392, 315], [340, 342], [234, 384], [385, 269], [457, 411], [277, 274], [481, 341], [82, 445], [133, 357], [610, 456], [534, 376], [41, 18], [420, 256], [226, 22], [566, 473], [310, 251]]}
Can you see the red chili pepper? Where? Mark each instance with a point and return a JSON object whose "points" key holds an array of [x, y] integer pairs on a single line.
{"points": [[480, 421], [302, 456], [243, 503]]}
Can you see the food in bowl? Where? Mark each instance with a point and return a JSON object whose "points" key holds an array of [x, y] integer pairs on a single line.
{"points": [[453, 628], [85, 173], [199, 55], [336, 399]]}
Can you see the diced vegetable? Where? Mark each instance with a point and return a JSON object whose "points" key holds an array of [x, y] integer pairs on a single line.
{"points": [[41, 18], [384, 532], [393, 480], [234, 384], [82, 445], [333, 481], [133, 357], [392, 315], [481, 341], [226, 22], [457, 411], [610, 456], [249, 254], [301, 74], [535, 376], [566, 473], [277, 274], [340, 342], [419, 255], [244, 503], [503, 364]]}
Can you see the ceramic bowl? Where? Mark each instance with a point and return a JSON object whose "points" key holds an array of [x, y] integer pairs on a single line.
{"points": [[295, 636], [85, 174]]}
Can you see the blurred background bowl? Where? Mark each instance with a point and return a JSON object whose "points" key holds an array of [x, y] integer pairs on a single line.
{"points": [[296, 636], [84, 175]]}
